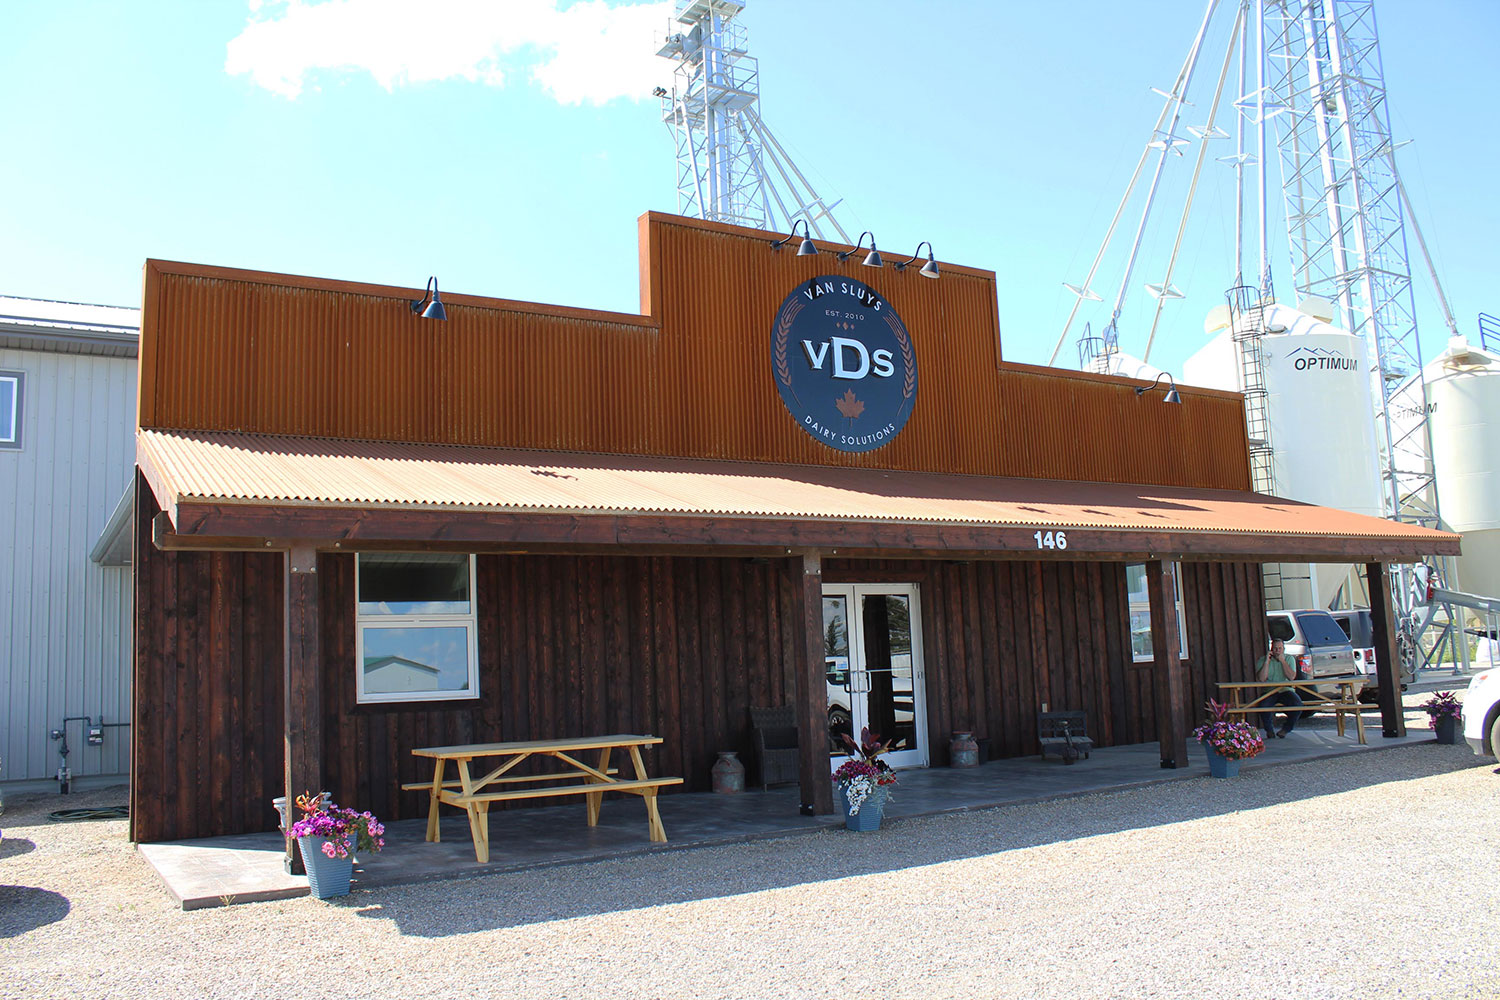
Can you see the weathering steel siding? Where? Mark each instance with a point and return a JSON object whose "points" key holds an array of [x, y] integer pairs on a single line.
{"points": [[245, 351], [64, 620]]}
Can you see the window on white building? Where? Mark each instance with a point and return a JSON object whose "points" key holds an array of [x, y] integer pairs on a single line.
{"points": [[415, 624], [1140, 612], [10, 409]]}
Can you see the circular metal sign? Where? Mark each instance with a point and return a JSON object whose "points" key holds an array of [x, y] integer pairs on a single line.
{"points": [[843, 363]]}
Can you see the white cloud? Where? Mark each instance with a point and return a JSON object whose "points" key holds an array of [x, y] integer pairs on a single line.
{"points": [[583, 53]]}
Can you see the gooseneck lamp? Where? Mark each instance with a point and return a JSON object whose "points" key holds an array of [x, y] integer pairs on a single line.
{"points": [[805, 248], [1170, 397], [872, 259], [929, 269], [430, 305]]}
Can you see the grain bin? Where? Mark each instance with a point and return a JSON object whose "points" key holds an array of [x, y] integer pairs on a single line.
{"points": [[1463, 393], [1321, 412]]}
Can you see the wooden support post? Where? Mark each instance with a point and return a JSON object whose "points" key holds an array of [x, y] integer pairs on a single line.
{"points": [[1387, 665], [805, 574], [1171, 710], [302, 761]]}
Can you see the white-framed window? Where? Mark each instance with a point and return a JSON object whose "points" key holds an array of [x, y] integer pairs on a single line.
{"points": [[11, 385], [415, 627], [1140, 612]]}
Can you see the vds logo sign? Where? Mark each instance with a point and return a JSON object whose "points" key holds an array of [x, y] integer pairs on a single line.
{"points": [[844, 363]]}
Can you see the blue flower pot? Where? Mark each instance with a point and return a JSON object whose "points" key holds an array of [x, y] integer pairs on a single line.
{"points": [[326, 877], [1220, 766], [870, 811]]}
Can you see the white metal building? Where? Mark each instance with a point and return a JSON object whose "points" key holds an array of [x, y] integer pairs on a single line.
{"points": [[67, 451]]}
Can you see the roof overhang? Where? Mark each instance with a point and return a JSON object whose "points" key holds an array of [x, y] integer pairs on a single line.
{"points": [[113, 546], [68, 327], [222, 490]]}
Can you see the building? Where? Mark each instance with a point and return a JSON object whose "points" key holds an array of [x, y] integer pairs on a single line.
{"points": [[788, 478], [67, 454]]}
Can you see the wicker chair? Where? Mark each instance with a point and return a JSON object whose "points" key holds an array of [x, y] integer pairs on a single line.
{"points": [[1065, 734], [773, 732]]}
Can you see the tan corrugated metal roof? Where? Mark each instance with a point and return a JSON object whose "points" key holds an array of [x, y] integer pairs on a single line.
{"points": [[263, 469]]}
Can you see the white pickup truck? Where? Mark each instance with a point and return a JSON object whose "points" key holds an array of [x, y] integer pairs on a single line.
{"points": [[1482, 702]]}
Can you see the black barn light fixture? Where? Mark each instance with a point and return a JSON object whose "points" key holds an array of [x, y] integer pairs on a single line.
{"points": [[1170, 397], [805, 248], [929, 269], [872, 259], [430, 305]]}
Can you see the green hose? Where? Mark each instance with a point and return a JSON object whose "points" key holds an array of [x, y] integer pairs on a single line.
{"points": [[103, 812]]}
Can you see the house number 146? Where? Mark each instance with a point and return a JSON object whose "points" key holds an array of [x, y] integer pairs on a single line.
{"points": [[1051, 539]]}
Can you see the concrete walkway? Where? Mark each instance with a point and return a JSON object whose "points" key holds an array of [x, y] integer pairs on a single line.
{"points": [[240, 869]]}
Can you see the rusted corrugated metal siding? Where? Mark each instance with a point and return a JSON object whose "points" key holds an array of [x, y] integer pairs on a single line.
{"points": [[245, 351], [242, 355], [719, 294]]}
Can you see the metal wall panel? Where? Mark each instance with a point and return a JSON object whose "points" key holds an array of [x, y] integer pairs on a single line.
{"points": [[246, 351], [64, 620]]}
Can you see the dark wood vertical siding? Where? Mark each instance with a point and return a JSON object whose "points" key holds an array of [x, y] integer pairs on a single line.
{"points": [[1003, 638], [1226, 626], [575, 645], [206, 706], [572, 646]]}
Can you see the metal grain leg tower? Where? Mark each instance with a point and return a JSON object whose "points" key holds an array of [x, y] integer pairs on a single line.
{"points": [[1345, 219], [1346, 226], [730, 168], [1311, 67]]}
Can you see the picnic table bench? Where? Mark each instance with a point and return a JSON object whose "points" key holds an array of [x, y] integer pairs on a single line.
{"points": [[1249, 698], [475, 792]]}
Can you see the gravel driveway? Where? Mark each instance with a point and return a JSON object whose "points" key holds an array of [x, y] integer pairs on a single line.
{"points": [[1373, 875]]}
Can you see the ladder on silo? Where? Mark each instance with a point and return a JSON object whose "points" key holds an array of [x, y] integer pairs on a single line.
{"points": [[1247, 314]]}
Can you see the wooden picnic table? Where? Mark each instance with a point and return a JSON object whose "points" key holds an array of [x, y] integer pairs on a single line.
{"points": [[473, 792], [1346, 700]]}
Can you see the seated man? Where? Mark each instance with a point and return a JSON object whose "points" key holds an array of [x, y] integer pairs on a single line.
{"points": [[1277, 666]]}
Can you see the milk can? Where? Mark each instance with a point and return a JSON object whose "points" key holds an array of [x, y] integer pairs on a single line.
{"points": [[963, 750], [729, 773]]}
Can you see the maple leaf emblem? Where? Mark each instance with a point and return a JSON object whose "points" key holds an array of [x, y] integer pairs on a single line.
{"points": [[848, 405]]}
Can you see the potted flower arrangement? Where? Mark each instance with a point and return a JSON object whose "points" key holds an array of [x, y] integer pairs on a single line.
{"points": [[1444, 710], [864, 781], [1227, 741], [329, 835]]}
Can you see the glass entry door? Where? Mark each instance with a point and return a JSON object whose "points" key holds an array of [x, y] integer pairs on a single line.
{"points": [[872, 648]]}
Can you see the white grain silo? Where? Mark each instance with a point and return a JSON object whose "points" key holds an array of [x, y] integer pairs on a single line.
{"points": [[1463, 393], [1321, 415]]}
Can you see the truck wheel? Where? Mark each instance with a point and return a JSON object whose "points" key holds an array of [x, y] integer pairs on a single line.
{"points": [[1495, 737]]}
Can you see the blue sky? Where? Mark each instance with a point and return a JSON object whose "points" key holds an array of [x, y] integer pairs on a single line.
{"points": [[489, 144]]}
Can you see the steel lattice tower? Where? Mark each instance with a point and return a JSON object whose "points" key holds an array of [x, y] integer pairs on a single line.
{"points": [[730, 167], [1344, 217], [1313, 68]]}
